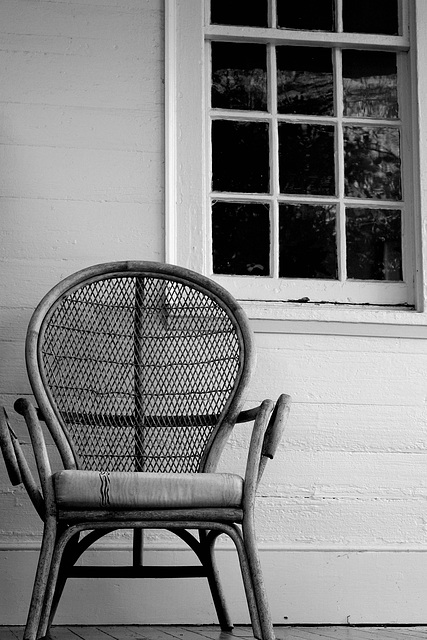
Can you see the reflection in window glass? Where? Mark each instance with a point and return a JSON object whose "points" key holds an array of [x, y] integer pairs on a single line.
{"points": [[374, 244], [370, 84], [239, 76], [372, 162], [367, 16], [240, 12], [241, 238], [316, 15], [304, 80], [307, 241], [306, 159], [240, 156]]}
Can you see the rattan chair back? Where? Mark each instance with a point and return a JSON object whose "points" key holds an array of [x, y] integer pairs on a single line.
{"points": [[141, 366]]}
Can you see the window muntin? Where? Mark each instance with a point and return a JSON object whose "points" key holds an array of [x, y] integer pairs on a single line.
{"points": [[333, 120]]}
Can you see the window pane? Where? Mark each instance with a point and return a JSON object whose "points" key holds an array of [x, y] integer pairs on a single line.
{"points": [[240, 156], [306, 14], [239, 76], [370, 16], [372, 162], [374, 247], [370, 84], [307, 241], [241, 238], [304, 80], [306, 159], [239, 12]]}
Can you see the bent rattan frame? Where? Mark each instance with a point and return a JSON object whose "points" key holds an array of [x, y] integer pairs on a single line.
{"points": [[193, 316]]}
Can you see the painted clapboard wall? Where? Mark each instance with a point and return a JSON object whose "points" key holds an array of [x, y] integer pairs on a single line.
{"points": [[342, 511]]}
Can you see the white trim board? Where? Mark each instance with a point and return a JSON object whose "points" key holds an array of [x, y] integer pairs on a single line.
{"points": [[357, 329]]}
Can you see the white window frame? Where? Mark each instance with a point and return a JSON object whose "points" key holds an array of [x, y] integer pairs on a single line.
{"points": [[187, 218]]}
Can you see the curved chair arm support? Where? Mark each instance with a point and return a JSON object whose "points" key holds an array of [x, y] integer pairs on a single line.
{"points": [[255, 453], [7, 448], [267, 432], [28, 480], [16, 463], [40, 454], [60, 439]]}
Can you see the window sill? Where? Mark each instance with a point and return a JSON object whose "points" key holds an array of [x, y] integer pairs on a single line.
{"points": [[330, 319]]}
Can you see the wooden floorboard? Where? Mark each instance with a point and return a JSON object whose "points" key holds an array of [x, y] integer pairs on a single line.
{"points": [[212, 632]]}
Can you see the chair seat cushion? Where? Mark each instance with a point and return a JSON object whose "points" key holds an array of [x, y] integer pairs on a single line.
{"points": [[140, 490]]}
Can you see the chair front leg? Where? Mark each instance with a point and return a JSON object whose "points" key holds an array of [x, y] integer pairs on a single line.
{"points": [[41, 579], [235, 533], [60, 546], [263, 607], [69, 558]]}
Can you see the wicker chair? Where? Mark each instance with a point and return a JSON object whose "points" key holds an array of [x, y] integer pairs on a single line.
{"points": [[139, 371]]}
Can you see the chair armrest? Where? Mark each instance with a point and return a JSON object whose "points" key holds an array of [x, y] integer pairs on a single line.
{"points": [[277, 422], [274, 431]]}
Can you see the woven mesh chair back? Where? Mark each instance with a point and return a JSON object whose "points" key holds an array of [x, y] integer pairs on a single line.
{"points": [[139, 369]]}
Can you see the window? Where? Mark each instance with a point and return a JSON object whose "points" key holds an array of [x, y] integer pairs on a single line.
{"points": [[296, 149]]}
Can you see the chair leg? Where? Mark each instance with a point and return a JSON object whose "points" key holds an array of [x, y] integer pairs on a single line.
{"points": [[59, 589], [53, 582], [68, 559], [73, 549], [234, 532], [138, 548], [41, 579], [207, 543], [267, 632]]}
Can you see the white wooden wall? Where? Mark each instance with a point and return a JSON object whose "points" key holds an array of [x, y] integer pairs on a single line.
{"points": [[343, 507]]}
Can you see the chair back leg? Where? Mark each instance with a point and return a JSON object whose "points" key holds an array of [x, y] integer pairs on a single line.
{"points": [[209, 562]]}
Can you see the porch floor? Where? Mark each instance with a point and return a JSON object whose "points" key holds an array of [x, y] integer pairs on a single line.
{"points": [[211, 632]]}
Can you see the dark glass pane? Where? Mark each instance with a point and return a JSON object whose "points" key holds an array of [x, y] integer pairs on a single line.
{"points": [[307, 241], [240, 12], [241, 238], [370, 84], [370, 16], [305, 81], [240, 156], [372, 162], [306, 14], [374, 244], [239, 76], [306, 159]]}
